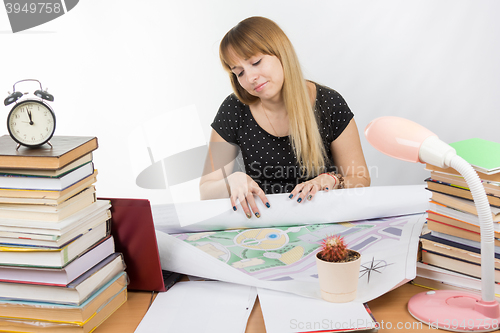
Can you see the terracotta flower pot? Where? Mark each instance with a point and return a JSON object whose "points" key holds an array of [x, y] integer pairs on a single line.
{"points": [[338, 280]]}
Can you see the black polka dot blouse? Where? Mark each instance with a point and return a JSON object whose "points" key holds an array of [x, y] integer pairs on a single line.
{"points": [[268, 159]]}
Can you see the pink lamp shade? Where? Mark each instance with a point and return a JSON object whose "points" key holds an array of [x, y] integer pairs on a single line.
{"points": [[397, 137]]}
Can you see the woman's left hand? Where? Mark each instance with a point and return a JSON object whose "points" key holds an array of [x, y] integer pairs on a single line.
{"points": [[307, 190]]}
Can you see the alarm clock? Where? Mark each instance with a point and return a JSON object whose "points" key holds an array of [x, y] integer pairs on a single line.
{"points": [[31, 122]]}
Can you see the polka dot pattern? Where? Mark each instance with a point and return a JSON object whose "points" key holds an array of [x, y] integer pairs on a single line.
{"points": [[268, 159]]}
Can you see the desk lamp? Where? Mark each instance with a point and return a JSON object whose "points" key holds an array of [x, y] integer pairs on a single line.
{"points": [[446, 309]]}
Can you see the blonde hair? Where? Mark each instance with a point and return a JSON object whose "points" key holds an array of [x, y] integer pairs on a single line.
{"points": [[261, 35]]}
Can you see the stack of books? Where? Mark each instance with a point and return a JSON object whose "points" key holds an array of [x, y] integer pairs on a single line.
{"points": [[451, 255], [59, 271]]}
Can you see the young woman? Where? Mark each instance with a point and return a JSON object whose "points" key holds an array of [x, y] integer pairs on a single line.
{"points": [[295, 136]]}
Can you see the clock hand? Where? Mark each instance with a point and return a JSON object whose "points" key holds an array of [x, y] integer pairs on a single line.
{"points": [[29, 115]]}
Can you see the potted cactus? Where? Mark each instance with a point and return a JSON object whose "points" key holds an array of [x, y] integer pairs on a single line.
{"points": [[338, 270]]}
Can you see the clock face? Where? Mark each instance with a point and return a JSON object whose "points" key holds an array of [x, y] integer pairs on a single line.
{"points": [[31, 123]]}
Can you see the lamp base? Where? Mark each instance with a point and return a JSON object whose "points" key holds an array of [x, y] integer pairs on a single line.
{"points": [[455, 311]]}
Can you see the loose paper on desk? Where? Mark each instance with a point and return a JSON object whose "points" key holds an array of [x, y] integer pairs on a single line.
{"points": [[288, 313], [281, 256], [200, 306]]}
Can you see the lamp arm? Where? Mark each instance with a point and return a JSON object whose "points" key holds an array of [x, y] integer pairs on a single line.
{"points": [[486, 226]]}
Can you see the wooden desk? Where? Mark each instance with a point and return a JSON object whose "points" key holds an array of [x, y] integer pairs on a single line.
{"points": [[129, 315], [389, 310]]}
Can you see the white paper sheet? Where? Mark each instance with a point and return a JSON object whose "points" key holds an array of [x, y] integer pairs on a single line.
{"points": [[288, 313], [200, 306], [326, 207]]}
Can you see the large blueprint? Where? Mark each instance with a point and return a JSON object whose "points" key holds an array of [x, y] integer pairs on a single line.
{"points": [[278, 252]]}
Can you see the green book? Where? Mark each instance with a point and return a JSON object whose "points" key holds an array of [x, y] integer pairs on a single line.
{"points": [[483, 155]]}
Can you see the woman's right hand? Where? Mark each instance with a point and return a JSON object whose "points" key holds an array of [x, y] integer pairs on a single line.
{"points": [[244, 188]]}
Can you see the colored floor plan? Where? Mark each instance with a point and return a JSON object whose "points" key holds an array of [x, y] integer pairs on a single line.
{"points": [[287, 253]]}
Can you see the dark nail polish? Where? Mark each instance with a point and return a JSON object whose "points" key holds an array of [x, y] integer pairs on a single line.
{"points": [[268, 205], [309, 197], [249, 215], [234, 208], [257, 214], [326, 188], [299, 200], [291, 196]]}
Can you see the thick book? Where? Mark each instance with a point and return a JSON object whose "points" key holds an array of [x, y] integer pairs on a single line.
{"points": [[59, 276], [462, 205], [454, 249], [490, 187], [493, 177], [13, 195], [64, 150], [464, 241], [454, 264], [50, 257], [433, 277], [51, 207], [52, 241], [46, 213], [49, 173], [61, 312], [458, 214], [469, 225], [441, 187], [74, 293], [89, 191], [57, 228], [34, 326], [23, 182], [42, 201], [456, 231], [52, 238]]}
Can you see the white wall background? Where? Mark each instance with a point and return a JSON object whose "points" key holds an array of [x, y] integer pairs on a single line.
{"points": [[114, 67]]}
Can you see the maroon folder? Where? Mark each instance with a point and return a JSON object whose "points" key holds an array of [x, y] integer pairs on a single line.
{"points": [[134, 233]]}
